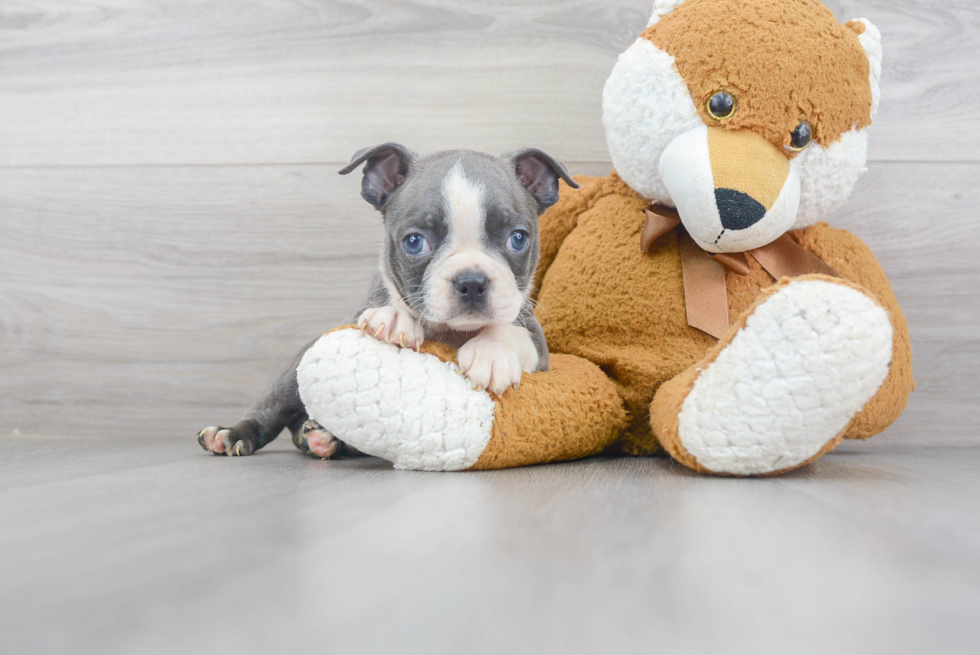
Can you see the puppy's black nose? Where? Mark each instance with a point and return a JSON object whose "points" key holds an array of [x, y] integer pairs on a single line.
{"points": [[472, 287], [738, 210]]}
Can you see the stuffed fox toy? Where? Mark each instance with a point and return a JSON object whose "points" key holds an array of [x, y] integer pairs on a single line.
{"points": [[693, 302]]}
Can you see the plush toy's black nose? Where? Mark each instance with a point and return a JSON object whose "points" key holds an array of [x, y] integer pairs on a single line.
{"points": [[738, 210], [472, 287]]}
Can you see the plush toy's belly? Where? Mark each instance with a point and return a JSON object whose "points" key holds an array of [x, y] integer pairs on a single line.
{"points": [[623, 309]]}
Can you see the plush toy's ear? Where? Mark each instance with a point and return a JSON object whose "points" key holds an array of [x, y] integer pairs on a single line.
{"points": [[539, 172], [661, 8], [387, 167], [870, 39]]}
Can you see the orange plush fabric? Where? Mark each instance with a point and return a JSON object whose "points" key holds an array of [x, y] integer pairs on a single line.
{"points": [[670, 397], [568, 412], [811, 67], [623, 356], [606, 301]]}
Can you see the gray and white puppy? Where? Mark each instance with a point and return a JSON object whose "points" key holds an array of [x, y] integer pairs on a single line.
{"points": [[457, 266]]}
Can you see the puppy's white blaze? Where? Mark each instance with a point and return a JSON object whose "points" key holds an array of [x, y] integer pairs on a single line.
{"points": [[463, 200], [465, 209]]}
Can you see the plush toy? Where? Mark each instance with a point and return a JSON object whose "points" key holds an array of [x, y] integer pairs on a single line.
{"points": [[692, 301]]}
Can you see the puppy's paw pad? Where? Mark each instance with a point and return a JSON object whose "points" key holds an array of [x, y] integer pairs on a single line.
{"points": [[223, 441], [316, 441], [392, 325]]}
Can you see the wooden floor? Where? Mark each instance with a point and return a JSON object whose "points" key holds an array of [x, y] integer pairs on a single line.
{"points": [[128, 546], [172, 229]]}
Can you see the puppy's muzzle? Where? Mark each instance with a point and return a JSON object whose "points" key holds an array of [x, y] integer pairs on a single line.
{"points": [[472, 289]]}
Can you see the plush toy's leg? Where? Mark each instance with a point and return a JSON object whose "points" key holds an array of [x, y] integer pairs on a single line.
{"points": [[419, 412], [781, 387]]}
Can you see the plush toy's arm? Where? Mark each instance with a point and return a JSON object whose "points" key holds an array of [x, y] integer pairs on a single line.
{"points": [[849, 256], [559, 220]]}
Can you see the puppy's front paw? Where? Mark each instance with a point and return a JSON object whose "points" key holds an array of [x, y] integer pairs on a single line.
{"points": [[496, 358], [392, 325], [223, 441], [489, 367]]}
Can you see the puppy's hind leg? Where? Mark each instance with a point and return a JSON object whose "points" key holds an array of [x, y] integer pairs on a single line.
{"points": [[279, 407], [316, 441]]}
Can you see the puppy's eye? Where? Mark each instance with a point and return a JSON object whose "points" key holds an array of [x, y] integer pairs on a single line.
{"points": [[415, 244], [721, 106], [518, 241], [800, 138]]}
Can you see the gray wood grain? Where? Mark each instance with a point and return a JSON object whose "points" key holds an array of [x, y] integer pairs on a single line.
{"points": [[125, 546], [156, 300], [116, 82], [120, 286], [172, 229]]}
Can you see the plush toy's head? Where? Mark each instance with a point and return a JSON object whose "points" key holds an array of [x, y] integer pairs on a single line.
{"points": [[748, 116]]}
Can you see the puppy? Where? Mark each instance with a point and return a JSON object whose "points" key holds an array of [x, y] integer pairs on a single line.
{"points": [[457, 266]]}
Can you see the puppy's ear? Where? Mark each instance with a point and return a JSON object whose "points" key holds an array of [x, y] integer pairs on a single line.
{"points": [[539, 172], [387, 167]]}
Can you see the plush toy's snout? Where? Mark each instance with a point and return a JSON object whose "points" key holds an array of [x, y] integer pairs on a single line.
{"points": [[733, 189]]}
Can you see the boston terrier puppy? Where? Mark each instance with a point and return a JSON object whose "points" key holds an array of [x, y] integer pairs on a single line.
{"points": [[457, 266]]}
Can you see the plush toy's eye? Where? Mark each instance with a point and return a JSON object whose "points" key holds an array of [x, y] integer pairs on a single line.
{"points": [[415, 244], [518, 241], [721, 106], [801, 137]]}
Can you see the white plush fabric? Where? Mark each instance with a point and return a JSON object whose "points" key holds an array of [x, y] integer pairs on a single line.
{"points": [[806, 362], [685, 168], [661, 8], [871, 42], [645, 105], [411, 409], [828, 175], [685, 172]]}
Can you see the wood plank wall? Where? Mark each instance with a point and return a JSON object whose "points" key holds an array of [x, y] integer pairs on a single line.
{"points": [[172, 227]]}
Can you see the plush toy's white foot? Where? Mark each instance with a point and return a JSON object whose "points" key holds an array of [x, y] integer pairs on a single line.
{"points": [[807, 360], [409, 408]]}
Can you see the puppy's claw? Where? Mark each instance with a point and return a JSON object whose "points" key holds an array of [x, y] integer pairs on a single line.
{"points": [[392, 325], [496, 359], [223, 441]]}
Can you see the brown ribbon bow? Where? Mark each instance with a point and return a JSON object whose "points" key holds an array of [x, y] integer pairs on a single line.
{"points": [[705, 292]]}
